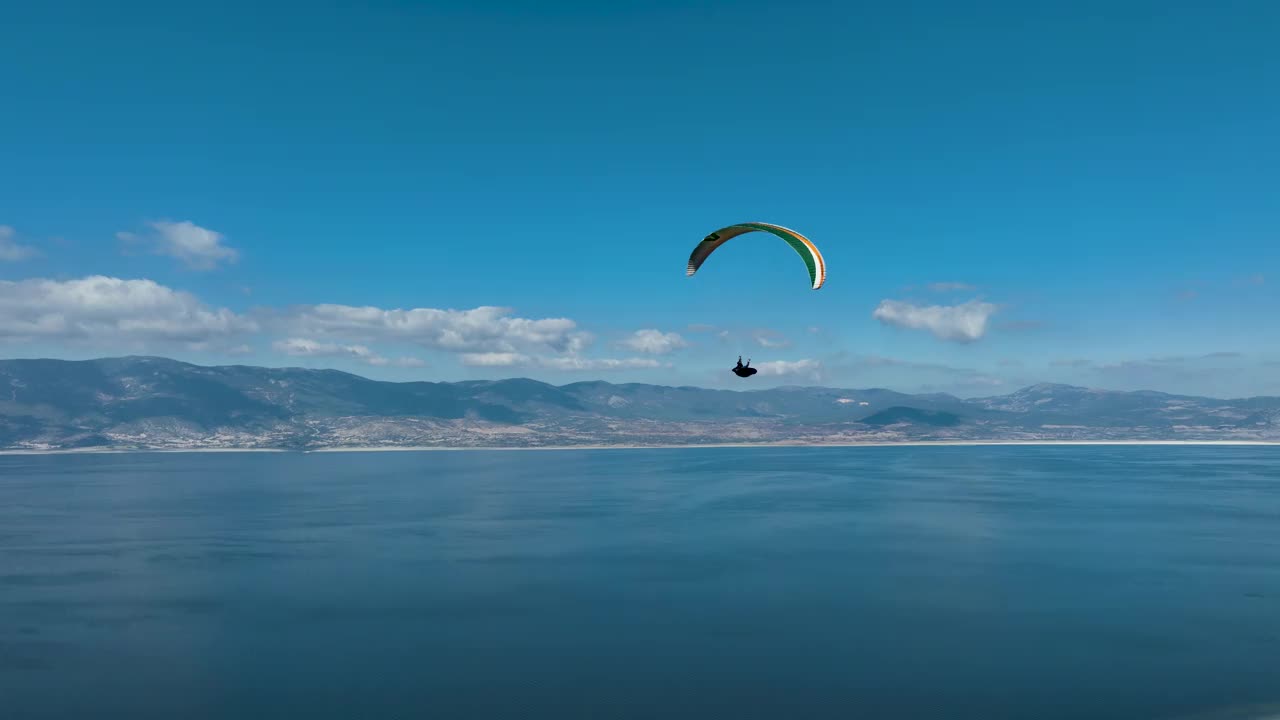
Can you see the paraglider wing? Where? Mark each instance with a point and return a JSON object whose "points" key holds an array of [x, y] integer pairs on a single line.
{"points": [[801, 244]]}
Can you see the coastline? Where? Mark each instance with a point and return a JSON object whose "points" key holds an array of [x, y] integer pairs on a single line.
{"points": [[759, 445], [904, 443], [121, 451]]}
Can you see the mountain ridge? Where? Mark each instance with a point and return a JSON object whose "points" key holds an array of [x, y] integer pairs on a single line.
{"points": [[153, 402]]}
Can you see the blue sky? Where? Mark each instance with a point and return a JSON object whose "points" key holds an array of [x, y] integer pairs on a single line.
{"points": [[1088, 193]]}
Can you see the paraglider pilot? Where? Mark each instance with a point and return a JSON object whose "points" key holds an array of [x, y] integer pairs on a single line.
{"points": [[744, 370]]}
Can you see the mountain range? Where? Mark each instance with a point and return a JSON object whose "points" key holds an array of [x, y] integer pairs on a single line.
{"points": [[158, 403]]}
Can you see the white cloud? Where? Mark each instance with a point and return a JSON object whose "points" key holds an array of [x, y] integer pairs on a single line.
{"points": [[100, 309], [494, 359], [199, 248], [563, 362], [10, 249], [479, 330], [566, 362], [302, 347], [401, 362], [960, 323], [654, 342], [580, 363], [783, 368], [114, 313], [578, 341]]}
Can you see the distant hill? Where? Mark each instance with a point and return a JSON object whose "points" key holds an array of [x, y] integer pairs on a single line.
{"points": [[151, 402], [899, 415]]}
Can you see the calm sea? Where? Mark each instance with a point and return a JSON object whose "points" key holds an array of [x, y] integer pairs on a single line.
{"points": [[1032, 583]]}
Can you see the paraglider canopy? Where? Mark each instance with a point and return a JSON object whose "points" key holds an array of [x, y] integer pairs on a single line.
{"points": [[813, 259]]}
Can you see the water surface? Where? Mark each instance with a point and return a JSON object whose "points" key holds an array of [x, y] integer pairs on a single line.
{"points": [[941, 582]]}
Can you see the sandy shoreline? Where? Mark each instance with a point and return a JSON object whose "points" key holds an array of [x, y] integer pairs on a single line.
{"points": [[431, 448]]}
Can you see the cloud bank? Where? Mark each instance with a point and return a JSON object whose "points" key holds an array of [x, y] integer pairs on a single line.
{"points": [[98, 308], [301, 347], [479, 330], [113, 312]]}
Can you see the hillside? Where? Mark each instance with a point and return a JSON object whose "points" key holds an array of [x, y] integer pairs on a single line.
{"points": [[149, 402]]}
